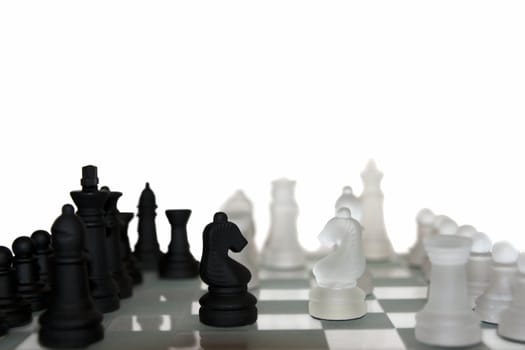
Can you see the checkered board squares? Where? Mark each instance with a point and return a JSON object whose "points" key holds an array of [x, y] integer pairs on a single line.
{"points": [[163, 315]]}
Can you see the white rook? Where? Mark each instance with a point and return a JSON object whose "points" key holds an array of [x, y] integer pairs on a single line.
{"points": [[447, 318]]}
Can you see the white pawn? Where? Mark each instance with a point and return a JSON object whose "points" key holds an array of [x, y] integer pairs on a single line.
{"points": [[349, 200], [447, 318], [376, 244], [425, 219], [498, 295], [512, 319], [447, 227], [466, 231], [240, 211], [336, 295], [478, 266]]}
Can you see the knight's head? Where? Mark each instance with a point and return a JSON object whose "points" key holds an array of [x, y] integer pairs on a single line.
{"points": [[335, 229]]}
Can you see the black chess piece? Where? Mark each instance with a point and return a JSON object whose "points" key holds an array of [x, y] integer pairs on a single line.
{"points": [[26, 268], [178, 262], [3, 324], [44, 257], [147, 248], [90, 203], [17, 311], [130, 261], [71, 321], [228, 302], [113, 232]]}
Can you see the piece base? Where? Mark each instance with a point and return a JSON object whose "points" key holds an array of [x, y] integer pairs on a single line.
{"points": [[70, 338], [337, 304], [448, 330]]}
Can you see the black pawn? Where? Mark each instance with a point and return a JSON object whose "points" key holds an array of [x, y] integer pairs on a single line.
{"points": [[71, 321], [90, 203], [178, 261], [44, 257], [113, 232], [26, 267], [147, 248], [130, 261], [228, 302], [17, 311]]}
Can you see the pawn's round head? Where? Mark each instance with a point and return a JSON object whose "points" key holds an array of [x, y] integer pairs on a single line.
{"points": [[42, 239], [425, 217], [68, 232], [438, 219], [6, 258], [343, 213], [481, 243], [220, 217], [448, 227], [504, 253], [466, 231], [23, 247], [521, 263], [348, 190]]}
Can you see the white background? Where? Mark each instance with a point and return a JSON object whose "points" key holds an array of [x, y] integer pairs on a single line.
{"points": [[203, 97]]}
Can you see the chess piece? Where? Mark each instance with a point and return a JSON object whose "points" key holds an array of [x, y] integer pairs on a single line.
{"points": [[228, 302], [376, 244], [447, 227], [512, 319], [90, 203], [498, 294], [26, 268], [336, 295], [178, 262], [478, 266], [282, 249], [147, 248], [16, 310], [366, 282], [426, 266], [349, 200], [44, 257], [466, 231], [130, 261], [240, 211], [113, 238], [71, 321], [424, 220], [447, 319]]}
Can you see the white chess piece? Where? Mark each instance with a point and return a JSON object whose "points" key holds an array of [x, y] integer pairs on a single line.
{"points": [[426, 266], [466, 231], [478, 266], [336, 295], [349, 200], [282, 249], [512, 319], [376, 244], [240, 211], [498, 295], [447, 227], [447, 318], [424, 220]]}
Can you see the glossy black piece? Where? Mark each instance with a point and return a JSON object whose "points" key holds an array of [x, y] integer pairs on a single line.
{"points": [[90, 203], [16, 310], [178, 262], [26, 268], [147, 248], [130, 261], [228, 302], [44, 257], [113, 231], [71, 321]]}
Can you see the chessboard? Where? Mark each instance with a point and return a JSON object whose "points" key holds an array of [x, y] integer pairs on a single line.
{"points": [[163, 315]]}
